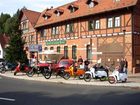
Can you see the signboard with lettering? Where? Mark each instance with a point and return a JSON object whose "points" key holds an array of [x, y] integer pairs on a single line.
{"points": [[56, 42], [35, 48]]}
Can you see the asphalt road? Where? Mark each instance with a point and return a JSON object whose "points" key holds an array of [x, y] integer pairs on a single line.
{"points": [[22, 92]]}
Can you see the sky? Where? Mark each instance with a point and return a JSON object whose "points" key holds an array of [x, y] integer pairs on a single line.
{"points": [[11, 6]]}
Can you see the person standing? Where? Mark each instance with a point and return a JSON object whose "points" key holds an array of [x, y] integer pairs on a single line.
{"points": [[125, 65], [122, 65], [80, 60], [86, 63]]}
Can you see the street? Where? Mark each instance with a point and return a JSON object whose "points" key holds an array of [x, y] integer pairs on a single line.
{"points": [[25, 92]]}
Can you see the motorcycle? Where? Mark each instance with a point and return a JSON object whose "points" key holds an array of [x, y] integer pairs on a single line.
{"points": [[99, 73], [76, 73], [43, 69], [22, 68], [116, 76], [61, 72]]}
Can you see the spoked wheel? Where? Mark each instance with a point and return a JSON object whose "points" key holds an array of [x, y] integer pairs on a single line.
{"points": [[103, 78], [111, 79], [81, 76], [47, 75], [66, 76], [30, 73], [87, 77]]}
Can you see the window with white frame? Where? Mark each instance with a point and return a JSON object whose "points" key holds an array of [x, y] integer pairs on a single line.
{"points": [[97, 24], [110, 22], [69, 28], [117, 22], [53, 30]]}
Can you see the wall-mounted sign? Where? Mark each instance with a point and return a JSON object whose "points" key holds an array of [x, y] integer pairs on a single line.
{"points": [[56, 42], [35, 48]]}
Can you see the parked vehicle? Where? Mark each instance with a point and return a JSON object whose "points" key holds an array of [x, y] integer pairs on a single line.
{"points": [[2, 67], [41, 68], [98, 73], [116, 76], [22, 68], [75, 73]]}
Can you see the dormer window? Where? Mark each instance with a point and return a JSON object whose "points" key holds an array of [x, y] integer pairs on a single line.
{"points": [[91, 3], [46, 16], [72, 8], [58, 12]]}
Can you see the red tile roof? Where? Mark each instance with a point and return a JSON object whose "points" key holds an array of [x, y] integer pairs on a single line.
{"points": [[4, 40], [32, 16], [83, 10]]}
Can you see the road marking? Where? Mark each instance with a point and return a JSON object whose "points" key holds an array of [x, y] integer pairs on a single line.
{"points": [[7, 99]]}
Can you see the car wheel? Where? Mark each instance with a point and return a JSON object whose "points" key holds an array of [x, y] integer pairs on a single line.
{"points": [[66, 76]]}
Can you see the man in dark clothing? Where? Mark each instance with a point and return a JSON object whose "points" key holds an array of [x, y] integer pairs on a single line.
{"points": [[80, 60], [122, 64], [86, 63]]}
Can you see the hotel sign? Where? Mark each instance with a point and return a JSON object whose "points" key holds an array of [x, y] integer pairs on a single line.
{"points": [[57, 42]]}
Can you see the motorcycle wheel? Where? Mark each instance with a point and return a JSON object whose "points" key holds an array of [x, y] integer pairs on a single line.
{"points": [[30, 73], [111, 79], [3, 71], [81, 76], [103, 78], [66, 76], [15, 73], [87, 77], [47, 75]]}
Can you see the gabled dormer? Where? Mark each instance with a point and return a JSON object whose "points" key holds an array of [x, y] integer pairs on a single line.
{"points": [[46, 16], [91, 3], [73, 8], [59, 12]]}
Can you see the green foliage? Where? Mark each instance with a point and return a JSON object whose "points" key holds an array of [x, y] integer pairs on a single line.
{"points": [[3, 19], [15, 51]]}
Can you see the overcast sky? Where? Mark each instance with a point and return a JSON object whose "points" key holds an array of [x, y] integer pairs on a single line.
{"points": [[11, 6]]}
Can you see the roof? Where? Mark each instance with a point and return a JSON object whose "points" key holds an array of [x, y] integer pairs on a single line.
{"points": [[32, 16], [83, 10], [4, 40]]}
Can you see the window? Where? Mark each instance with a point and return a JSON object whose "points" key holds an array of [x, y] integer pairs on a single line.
{"points": [[73, 8], [69, 28], [97, 24], [51, 48], [91, 4], [66, 51], [110, 22], [55, 30], [88, 52], [46, 48], [42, 33], [58, 49], [117, 22], [91, 25], [74, 52]]}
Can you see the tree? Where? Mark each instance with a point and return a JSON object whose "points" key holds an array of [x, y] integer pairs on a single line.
{"points": [[3, 19], [15, 51]]}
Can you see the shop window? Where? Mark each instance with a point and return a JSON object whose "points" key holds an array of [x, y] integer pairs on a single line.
{"points": [[51, 48], [58, 49], [74, 52], [66, 51]]}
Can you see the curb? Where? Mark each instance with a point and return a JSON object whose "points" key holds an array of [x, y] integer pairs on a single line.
{"points": [[93, 82]]}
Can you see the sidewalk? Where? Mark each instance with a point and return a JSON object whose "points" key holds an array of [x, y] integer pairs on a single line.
{"points": [[133, 80]]}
